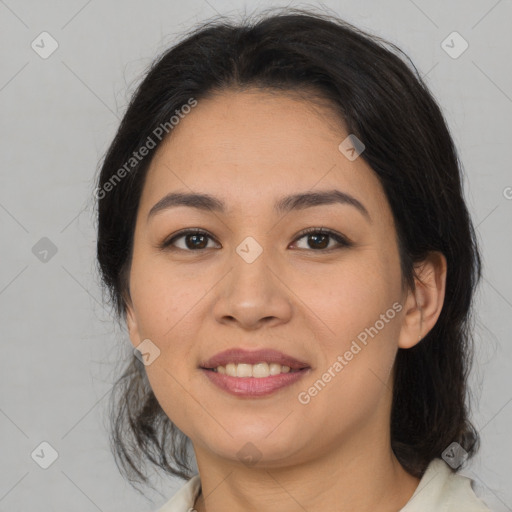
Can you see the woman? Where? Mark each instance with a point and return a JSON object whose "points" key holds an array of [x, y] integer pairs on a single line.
{"points": [[281, 225]]}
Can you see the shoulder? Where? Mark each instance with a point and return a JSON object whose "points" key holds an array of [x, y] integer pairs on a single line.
{"points": [[443, 490], [184, 499]]}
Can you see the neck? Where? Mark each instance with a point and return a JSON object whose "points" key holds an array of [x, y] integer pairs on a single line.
{"points": [[364, 478]]}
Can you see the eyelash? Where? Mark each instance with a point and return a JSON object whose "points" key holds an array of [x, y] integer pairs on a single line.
{"points": [[341, 240]]}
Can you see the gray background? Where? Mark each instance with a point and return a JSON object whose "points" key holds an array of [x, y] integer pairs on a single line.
{"points": [[60, 346]]}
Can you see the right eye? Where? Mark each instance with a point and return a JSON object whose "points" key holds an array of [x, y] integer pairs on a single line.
{"points": [[194, 240]]}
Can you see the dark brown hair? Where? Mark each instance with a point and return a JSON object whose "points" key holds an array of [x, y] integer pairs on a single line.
{"points": [[383, 100]]}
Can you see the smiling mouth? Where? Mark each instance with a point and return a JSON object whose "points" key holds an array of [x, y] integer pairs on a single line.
{"points": [[253, 373]]}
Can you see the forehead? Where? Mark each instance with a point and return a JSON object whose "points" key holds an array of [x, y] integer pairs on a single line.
{"points": [[252, 146]]}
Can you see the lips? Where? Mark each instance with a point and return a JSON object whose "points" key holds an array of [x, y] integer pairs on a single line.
{"points": [[236, 355]]}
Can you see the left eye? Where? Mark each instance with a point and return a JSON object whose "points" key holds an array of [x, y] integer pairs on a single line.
{"points": [[320, 238]]}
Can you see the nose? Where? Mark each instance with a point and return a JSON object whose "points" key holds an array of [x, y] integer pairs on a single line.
{"points": [[253, 294]]}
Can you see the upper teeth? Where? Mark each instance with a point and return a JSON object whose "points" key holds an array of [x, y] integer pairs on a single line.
{"points": [[252, 370]]}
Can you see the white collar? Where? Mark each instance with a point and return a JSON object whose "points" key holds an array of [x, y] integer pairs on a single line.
{"points": [[439, 489]]}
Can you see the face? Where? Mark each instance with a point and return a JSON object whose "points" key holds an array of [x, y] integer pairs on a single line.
{"points": [[252, 279]]}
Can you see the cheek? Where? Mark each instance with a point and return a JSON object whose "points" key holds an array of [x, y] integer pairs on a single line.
{"points": [[351, 296], [167, 305], [164, 299], [360, 303]]}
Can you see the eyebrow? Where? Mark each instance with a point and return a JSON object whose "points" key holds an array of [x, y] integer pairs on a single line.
{"points": [[283, 205]]}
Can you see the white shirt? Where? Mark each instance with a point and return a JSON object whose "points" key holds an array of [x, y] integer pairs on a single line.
{"points": [[439, 490]]}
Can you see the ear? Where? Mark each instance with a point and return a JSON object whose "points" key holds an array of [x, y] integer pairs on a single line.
{"points": [[131, 323], [423, 304]]}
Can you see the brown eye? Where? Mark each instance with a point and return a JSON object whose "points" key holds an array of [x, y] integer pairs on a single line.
{"points": [[319, 239], [193, 240]]}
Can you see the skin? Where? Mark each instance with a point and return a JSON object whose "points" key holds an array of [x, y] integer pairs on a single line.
{"points": [[248, 148]]}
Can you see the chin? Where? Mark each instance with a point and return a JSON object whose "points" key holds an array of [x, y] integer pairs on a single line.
{"points": [[265, 448]]}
